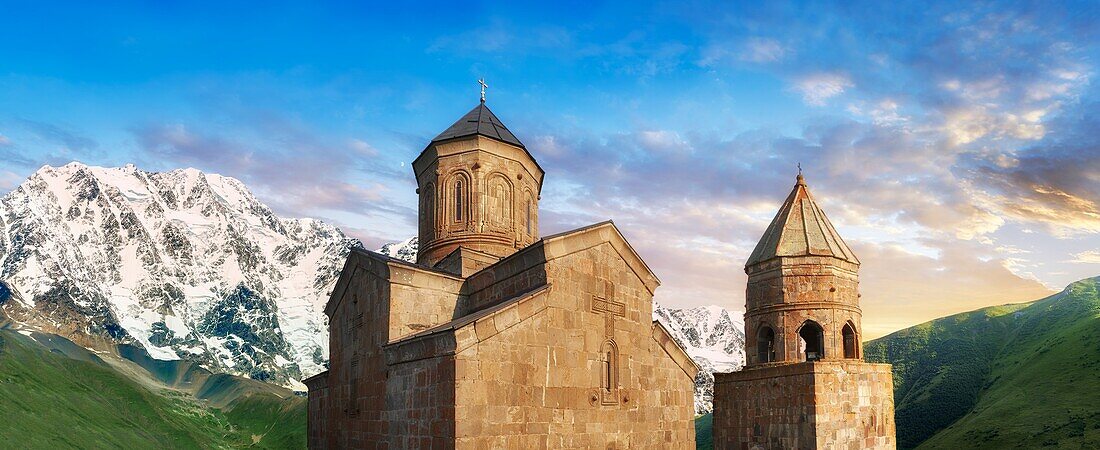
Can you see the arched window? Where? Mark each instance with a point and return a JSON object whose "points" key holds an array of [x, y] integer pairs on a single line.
{"points": [[427, 210], [501, 192], [529, 213], [459, 203], [609, 373], [851, 341], [813, 340], [765, 345]]}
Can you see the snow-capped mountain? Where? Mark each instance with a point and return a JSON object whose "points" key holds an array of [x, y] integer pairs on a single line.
{"points": [[404, 250], [713, 337], [186, 264]]}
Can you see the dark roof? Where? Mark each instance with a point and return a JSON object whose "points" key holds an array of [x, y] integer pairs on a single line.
{"points": [[480, 121], [800, 228]]}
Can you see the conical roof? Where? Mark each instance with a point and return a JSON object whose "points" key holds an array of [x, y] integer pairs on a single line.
{"points": [[800, 228], [479, 121]]}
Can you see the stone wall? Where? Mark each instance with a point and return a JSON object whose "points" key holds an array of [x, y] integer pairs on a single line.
{"points": [[464, 262], [377, 300], [421, 299], [822, 405], [318, 407], [420, 403], [538, 383], [512, 276]]}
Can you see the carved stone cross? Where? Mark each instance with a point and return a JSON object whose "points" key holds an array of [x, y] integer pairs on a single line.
{"points": [[610, 310]]}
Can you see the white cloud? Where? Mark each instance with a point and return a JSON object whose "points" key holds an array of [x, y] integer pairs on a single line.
{"points": [[1087, 257], [818, 88], [4, 141], [754, 50], [663, 140], [762, 50], [967, 125], [363, 148], [885, 112]]}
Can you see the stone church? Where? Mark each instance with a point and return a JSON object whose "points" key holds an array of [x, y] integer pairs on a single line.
{"points": [[805, 385], [498, 337]]}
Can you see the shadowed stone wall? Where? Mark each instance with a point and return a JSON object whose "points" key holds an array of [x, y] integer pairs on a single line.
{"points": [[820, 405]]}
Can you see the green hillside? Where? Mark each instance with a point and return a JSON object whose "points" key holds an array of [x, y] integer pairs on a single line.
{"points": [[1013, 376], [704, 424], [55, 395]]}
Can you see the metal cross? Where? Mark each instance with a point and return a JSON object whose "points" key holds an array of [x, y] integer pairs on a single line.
{"points": [[799, 164], [483, 86]]}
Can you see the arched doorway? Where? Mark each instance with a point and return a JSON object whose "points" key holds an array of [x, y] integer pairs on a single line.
{"points": [[765, 345], [851, 341], [813, 340]]}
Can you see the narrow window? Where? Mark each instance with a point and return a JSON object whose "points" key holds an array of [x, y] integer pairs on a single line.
{"points": [[607, 376], [851, 344], [610, 374], [498, 202], [528, 216], [352, 409], [458, 201]]}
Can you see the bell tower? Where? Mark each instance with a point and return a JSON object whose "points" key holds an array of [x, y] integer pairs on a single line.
{"points": [[802, 297], [479, 190], [805, 384]]}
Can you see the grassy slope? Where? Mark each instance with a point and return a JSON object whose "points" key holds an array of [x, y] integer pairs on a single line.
{"points": [[1014, 376], [50, 400], [704, 440]]}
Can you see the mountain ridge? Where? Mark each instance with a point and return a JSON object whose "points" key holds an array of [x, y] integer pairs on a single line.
{"points": [[1009, 376], [185, 264]]}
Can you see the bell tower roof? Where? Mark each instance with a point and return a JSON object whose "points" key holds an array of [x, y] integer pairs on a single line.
{"points": [[800, 228], [480, 121]]}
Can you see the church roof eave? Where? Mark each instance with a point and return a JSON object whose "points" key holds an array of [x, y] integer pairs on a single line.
{"points": [[356, 258], [566, 242], [447, 335], [664, 339]]}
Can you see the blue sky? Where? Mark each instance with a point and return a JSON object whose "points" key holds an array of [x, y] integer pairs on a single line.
{"points": [[954, 147]]}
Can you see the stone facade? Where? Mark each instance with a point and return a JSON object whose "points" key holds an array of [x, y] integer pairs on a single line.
{"points": [[549, 346], [805, 385]]}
